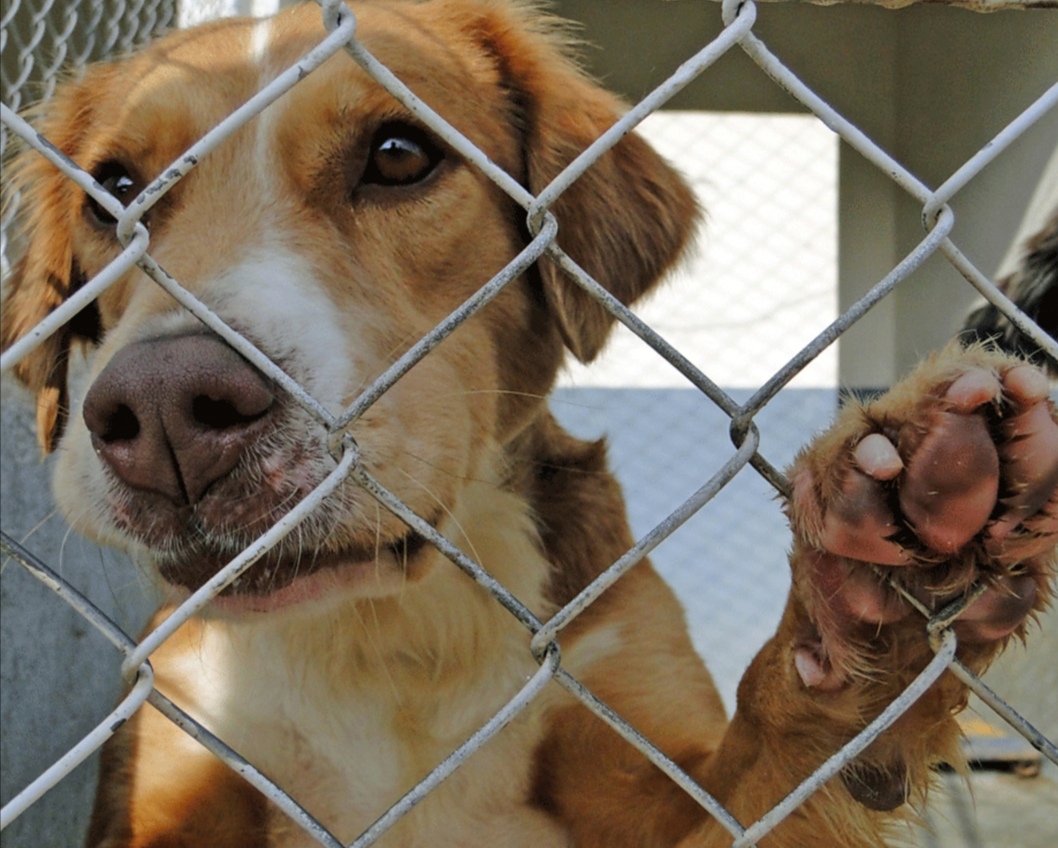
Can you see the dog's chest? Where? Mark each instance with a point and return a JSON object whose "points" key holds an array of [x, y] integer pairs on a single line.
{"points": [[347, 753]]}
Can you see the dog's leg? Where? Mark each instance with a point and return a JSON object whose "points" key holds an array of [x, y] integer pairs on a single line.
{"points": [[947, 482], [172, 792], [159, 788]]}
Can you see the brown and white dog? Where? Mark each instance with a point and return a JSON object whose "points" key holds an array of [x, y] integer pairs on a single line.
{"points": [[333, 231]]}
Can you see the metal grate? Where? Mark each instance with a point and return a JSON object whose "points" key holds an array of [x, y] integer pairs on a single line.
{"points": [[27, 32]]}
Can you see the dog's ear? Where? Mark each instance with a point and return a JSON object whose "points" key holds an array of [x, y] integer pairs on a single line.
{"points": [[45, 273], [627, 218]]}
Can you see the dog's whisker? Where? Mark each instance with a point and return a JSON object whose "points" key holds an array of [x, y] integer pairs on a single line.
{"points": [[447, 510]]}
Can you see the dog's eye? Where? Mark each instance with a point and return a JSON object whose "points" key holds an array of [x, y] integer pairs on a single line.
{"points": [[116, 179], [400, 155]]}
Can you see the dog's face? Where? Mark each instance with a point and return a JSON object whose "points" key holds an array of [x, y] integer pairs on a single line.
{"points": [[333, 231]]}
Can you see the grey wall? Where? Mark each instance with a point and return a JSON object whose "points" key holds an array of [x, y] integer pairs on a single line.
{"points": [[60, 678]]}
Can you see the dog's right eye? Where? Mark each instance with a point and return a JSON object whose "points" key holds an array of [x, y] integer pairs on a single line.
{"points": [[400, 155], [116, 179]]}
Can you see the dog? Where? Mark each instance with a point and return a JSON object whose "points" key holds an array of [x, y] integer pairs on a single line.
{"points": [[333, 231], [1033, 285]]}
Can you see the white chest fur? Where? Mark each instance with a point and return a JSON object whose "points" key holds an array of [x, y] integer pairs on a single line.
{"points": [[348, 710], [349, 753]]}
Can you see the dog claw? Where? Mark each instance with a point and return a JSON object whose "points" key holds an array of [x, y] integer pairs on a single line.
{"points": [[1030, 456], [1026, 385]]}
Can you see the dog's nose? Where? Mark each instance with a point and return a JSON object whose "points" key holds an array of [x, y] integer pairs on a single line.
{"points": [[174, 415]]}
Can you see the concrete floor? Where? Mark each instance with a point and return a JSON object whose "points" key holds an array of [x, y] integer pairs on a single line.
{"points": [[994, 810]]}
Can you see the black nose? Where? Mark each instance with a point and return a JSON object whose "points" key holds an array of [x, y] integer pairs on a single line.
{"points": [[174, 415]]}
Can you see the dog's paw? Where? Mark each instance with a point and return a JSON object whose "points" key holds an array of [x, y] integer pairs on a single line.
{"points": [[947, 482]]}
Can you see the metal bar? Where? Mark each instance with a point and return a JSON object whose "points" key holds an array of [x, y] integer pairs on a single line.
{"points": [[986, 287], [209, 590], [686, 73], [1034, 737], [179, 168], [1002, 140], [651, 752], [525, 696], [61, 587], [291, 808], [529, 254], [246, 348], [770, 820], [921, 252], [480, 576], [644, 546]]}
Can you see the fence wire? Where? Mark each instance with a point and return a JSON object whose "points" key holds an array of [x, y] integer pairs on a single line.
{"points": [[37, 42]]}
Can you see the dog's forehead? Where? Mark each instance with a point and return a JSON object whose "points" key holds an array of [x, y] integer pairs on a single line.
{"points": [[169, 94], [195, 78], [436, 55]]}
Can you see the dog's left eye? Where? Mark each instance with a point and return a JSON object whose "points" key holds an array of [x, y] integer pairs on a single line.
{"points": [[116, 179], [400, 155]]}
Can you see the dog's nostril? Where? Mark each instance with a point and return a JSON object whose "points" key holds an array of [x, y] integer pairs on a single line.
{"points": [[121, 425], [222, 414]]}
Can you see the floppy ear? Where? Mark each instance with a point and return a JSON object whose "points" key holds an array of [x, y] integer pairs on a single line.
{"points": [[45, 274], [626, 219]]}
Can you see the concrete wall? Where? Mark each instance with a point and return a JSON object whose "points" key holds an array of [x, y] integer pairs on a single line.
{"points": [[929, 84], [60, 678]]}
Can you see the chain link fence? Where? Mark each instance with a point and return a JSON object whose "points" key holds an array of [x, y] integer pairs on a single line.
{"points": [[38, 41]]}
